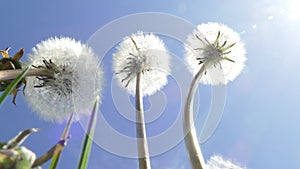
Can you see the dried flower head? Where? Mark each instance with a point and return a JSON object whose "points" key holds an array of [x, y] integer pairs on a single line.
{"points": [[76, 83], [146, 54], [217, 162], [218, 48], [11, 63]]}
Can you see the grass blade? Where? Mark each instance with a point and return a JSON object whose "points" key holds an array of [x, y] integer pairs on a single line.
{"points": [[12, 85], [59, 147], [87, 143]]}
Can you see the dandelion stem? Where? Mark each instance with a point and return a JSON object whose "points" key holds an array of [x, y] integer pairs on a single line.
{"points": [[143, 152], [191, 141], [12, 74]]}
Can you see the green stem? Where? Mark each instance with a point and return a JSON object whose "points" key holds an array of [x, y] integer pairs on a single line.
{"points": [[191, 140], [143, 152], [12, 74]]}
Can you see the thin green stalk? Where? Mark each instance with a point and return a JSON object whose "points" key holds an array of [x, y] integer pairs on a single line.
{"points": [[59, 147], [143, 152], [87, 143], [191, 140], [13, 84]]}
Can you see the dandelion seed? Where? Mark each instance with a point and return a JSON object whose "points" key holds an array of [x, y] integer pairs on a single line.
{"points": [[144, 53], [217, 162], [219, 49], [76, 83]]}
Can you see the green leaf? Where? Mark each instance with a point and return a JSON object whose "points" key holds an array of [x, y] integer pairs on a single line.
{"points": [[87, 143], [13, 84]]}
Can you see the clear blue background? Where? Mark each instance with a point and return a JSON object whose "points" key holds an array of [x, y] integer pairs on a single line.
{"points": [[260, 126]]}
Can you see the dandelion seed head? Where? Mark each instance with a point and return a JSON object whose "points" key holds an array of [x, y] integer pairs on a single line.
{"points": [[144, 53], [219, 49], [76, 83], [217, 162]]}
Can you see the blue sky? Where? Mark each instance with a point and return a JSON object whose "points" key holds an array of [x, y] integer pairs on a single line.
{"points": [[260, 123]]}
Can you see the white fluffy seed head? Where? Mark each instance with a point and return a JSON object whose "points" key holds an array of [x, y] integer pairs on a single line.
{"points": [[217, 162], [144, 53], [222, 55], [77, 83]]}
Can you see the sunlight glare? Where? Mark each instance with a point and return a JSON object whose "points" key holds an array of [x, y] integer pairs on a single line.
{"points": [[293, 11]]}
